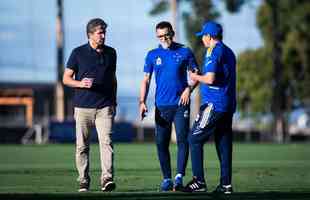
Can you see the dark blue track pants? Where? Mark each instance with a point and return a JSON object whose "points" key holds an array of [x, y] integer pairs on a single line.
{"points": [[164, 117], [210, 122]]}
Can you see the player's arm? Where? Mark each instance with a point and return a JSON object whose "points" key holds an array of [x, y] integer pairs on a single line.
{"points": [[210, 69], [193, 67], [193, 83], [208, 78], [185, 96], [68, 80], [144, 90]]}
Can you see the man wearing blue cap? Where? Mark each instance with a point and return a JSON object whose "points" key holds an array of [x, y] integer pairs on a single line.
{"points": [[218, 92], [170, 62]]}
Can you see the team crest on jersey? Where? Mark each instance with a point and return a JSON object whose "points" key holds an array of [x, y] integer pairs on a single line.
{"points": [[158, 61], [177, 57]]}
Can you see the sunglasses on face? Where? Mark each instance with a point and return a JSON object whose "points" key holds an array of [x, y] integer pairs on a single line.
{"points": [[167, 35]]}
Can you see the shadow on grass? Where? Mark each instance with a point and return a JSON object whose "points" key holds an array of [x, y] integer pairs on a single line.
{"points": [[156, 196]]}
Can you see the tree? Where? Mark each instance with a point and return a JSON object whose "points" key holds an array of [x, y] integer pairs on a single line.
{"points": [[59, 89], [278, 100], [254, 79], [285, 29]]}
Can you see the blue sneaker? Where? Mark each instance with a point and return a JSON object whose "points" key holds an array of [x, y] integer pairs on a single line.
{"points": [[166, 185], [178, 183]]}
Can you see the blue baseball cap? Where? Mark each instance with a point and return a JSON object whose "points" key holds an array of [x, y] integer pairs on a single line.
{"points": [[211, 28]]}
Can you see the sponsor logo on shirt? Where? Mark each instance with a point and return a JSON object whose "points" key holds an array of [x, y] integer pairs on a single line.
{"points": [[209, 51], [214, 88], [209, 62]]}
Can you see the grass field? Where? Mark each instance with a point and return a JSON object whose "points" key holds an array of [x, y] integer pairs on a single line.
{"points": [[260, 171]]}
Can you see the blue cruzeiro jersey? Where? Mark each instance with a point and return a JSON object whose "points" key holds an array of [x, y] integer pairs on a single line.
{"points": [[222, 94], [170, 67]]}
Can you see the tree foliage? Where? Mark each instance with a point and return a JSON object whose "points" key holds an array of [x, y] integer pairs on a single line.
{"points": [[234, 5], [294, 18], [276, 75], [160, 7], [254, 73], [202, 11]]}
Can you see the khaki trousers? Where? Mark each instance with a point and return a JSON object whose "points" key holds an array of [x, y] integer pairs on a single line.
{"points": [[103, 120]]}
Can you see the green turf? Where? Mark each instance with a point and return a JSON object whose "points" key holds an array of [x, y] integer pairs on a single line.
{"points": [[258, 169]]}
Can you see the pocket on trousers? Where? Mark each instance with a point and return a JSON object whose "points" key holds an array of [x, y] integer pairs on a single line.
{"points": [[112, 111]]}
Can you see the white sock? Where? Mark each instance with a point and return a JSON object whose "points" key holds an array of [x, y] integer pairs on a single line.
{"points": [[178, 176]]}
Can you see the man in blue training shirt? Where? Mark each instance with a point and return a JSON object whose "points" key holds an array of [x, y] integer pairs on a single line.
{"points": [[170, 62], [218, 92]]}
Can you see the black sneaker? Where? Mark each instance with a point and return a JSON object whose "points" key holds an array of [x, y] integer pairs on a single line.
{"points": [[223, 189], [195, 186], [84, 187], [108, 185]]}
